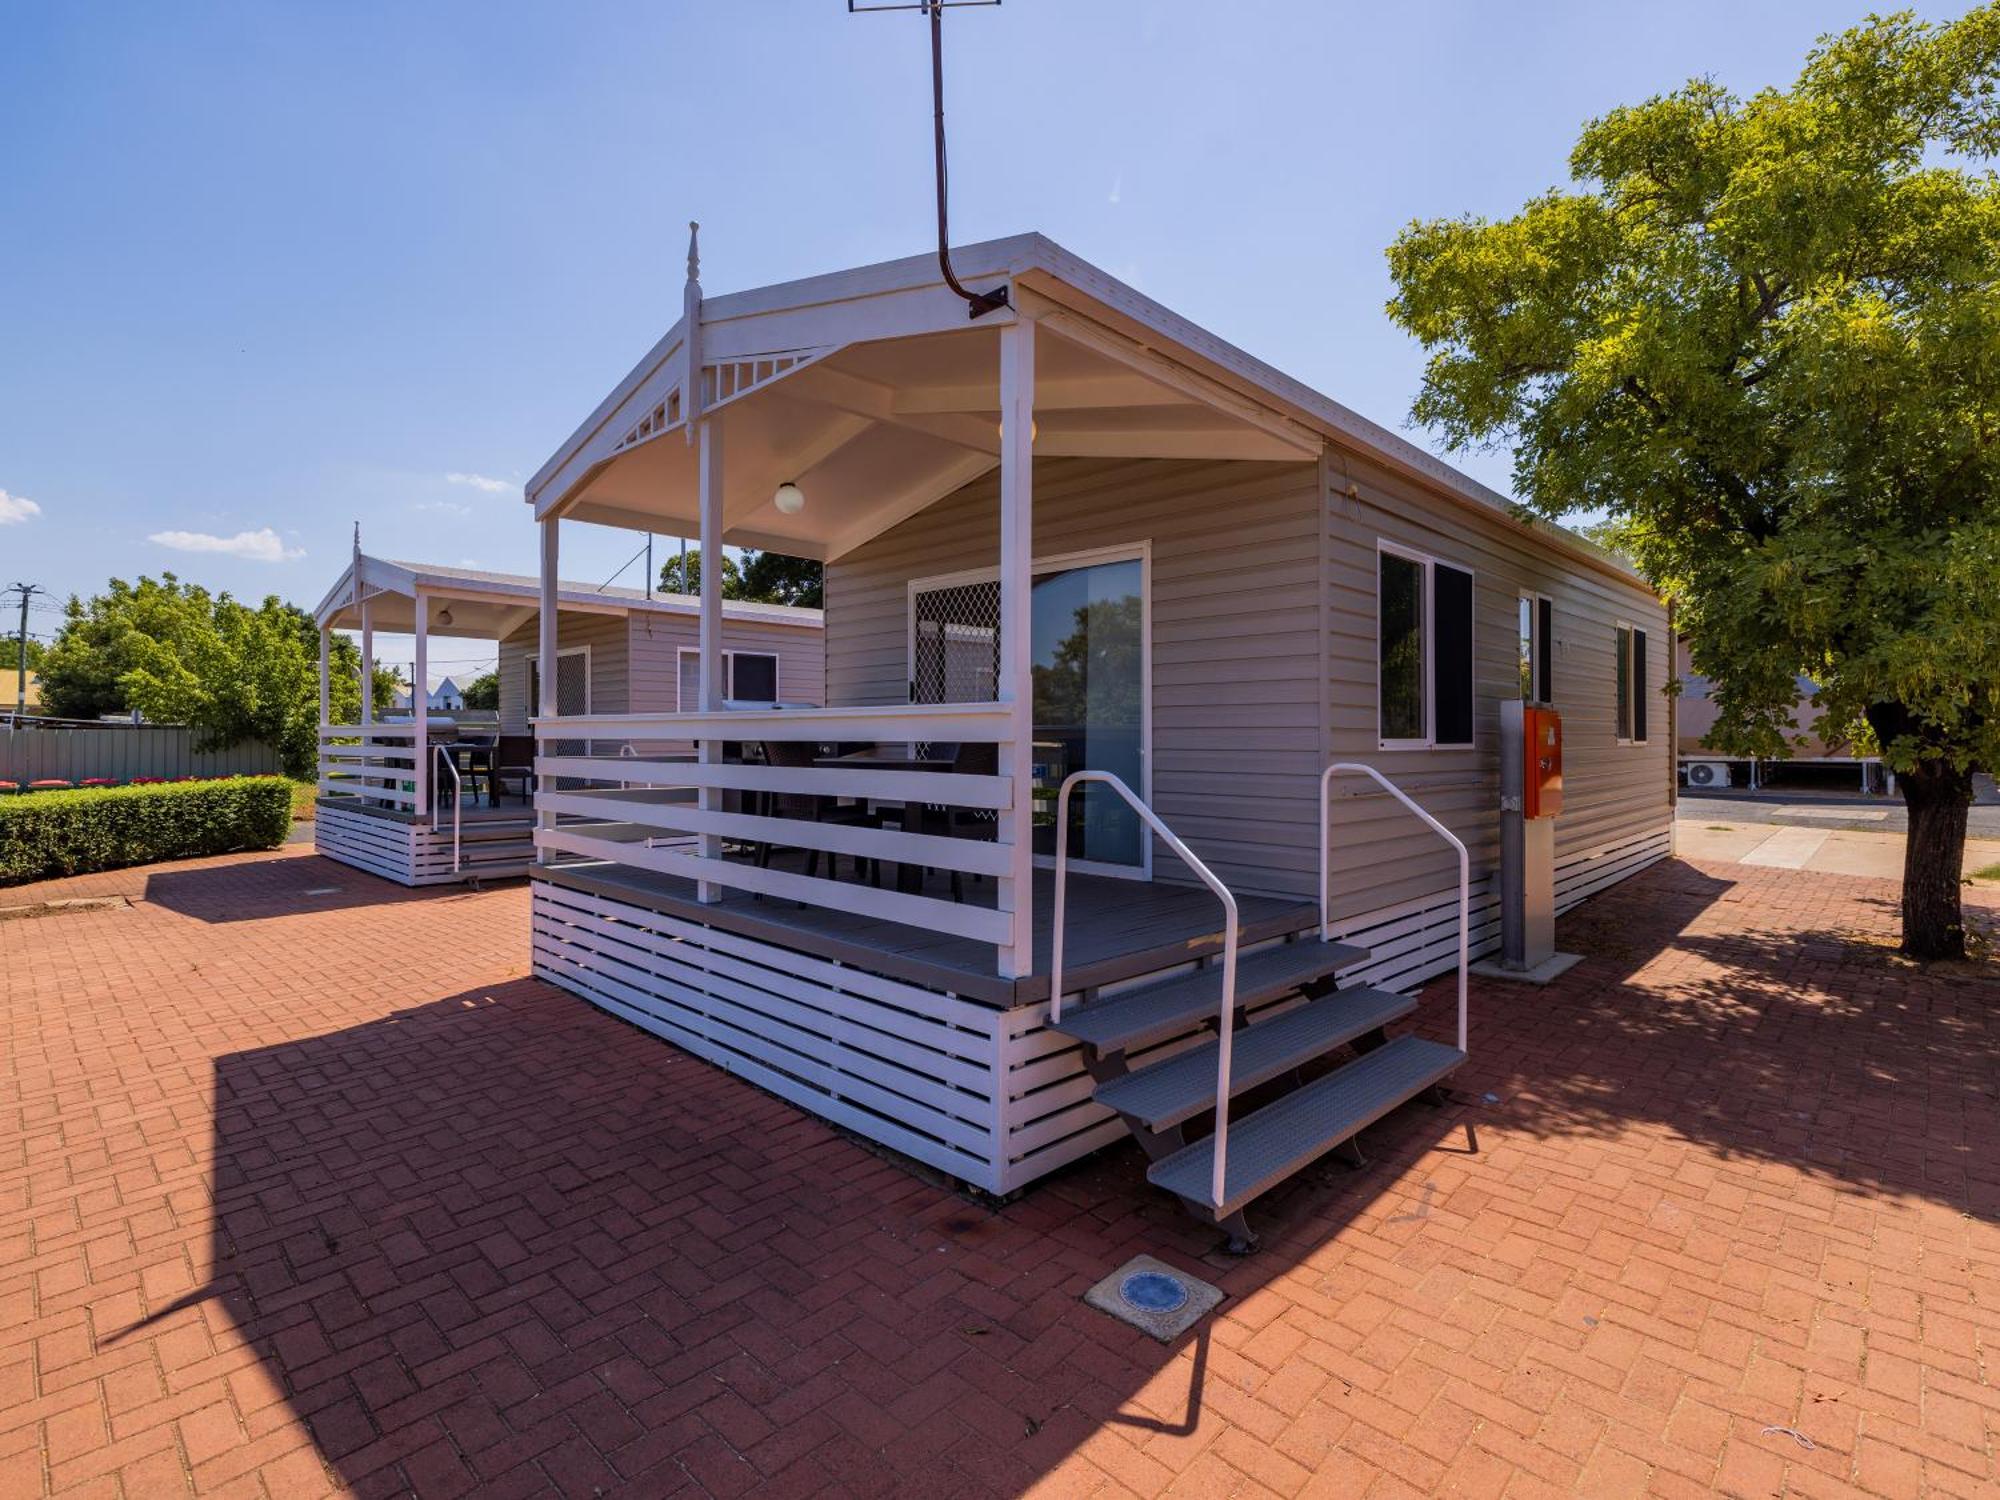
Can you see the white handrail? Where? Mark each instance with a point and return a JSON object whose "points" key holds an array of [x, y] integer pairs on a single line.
{"points": [[457, 799], [1326, 869], [1226, 1036]]}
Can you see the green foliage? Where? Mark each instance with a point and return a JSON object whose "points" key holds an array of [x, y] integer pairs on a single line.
{"points": [[1763, 335], [10, 650], [483, 691], [672, 581], [764, 577], [180, 655], [47, 834], [773, 578]]}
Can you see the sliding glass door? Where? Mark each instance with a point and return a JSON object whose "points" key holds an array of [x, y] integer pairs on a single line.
{"points": [[1088, 654]]}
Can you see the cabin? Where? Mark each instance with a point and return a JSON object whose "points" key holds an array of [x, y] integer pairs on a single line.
{"points": [[1160, 748], [462, 809]]}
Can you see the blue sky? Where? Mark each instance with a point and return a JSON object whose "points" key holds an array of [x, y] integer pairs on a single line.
{"points": [[272, 268]]}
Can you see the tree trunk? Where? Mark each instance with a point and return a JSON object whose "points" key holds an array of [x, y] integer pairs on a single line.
{"points": [[1937, 796]]}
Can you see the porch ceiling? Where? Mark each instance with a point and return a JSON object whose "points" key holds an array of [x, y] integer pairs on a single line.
{"points": [[873, 432]]}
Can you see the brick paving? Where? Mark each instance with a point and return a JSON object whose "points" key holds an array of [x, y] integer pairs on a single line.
{"points": [[312, 1193]]}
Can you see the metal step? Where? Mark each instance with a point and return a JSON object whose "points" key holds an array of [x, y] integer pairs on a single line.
{"points": [[1159, 1010], [1184, 1085], [1267, 1147]]}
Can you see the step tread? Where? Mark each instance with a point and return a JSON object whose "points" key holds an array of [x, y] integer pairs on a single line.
{"points": [[1166, 1093], [1267, 1147], [1157, 1011]]}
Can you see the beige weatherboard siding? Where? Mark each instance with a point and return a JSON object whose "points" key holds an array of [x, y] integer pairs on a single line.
{"points": [[1238, 552], [1235, 646], [632, 659], [1612, 793]]}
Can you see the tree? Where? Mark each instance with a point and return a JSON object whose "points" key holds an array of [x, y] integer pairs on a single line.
{"points": [[483, 691], [764, 577], [1761, 334], [672, 582], [11, 653], [179, 654], [773, 578]]}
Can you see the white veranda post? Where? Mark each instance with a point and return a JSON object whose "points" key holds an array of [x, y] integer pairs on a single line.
{"points": [[545, 657], [325, 679], [367, 663], [1017, 828], [420, 704], [710, 468]]}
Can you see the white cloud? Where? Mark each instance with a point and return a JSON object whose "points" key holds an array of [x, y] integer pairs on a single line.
{"points": [[15, 508], [1117, 190], [479, 482], [448, 507], [263, 545]]}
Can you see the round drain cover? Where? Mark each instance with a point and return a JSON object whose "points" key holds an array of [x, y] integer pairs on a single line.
{"points": [[1153, 1291]]}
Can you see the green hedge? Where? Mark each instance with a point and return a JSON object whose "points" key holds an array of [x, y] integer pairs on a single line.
{"points": [[44, 834]]}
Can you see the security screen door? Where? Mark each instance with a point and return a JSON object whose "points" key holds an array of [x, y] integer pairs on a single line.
{"points": [[1088, 650]]}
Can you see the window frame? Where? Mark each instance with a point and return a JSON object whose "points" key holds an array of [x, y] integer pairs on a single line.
{"points": [[1429, 564], [1541, 649], [1625, 710], [729, 655]]}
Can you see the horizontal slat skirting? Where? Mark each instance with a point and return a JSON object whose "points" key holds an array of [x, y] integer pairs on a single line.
{"points": [[913, 1081]]}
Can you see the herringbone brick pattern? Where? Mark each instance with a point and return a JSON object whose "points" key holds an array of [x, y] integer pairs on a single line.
{"points": [[306, 1188]]}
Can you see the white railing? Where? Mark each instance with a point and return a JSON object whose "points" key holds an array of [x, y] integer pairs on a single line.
{"points": [[442, 754], [371, 761], [625, 782], [1326, 868], [1226, 1016]]}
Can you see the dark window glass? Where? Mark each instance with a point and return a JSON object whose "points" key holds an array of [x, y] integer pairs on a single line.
{"points": [[1452, 615], [1544, 651], [1638, 684], [1401, 635], [1624, 682], [754, 677]]}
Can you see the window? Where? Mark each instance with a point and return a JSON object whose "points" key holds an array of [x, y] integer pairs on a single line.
{"points": [[1537, 633], [1632, 695], [747, 677], [1424, 651]]}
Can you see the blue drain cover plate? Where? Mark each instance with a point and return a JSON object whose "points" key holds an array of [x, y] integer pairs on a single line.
{"points": [[1152, 1291]]}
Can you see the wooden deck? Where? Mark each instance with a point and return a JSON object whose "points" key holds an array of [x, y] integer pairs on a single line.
{"points": [[1117, 928]]}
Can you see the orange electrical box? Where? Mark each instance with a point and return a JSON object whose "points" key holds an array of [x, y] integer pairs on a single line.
{"points": [[1541, 763]]}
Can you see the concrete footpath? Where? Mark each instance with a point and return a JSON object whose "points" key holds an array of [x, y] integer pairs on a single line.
{"points": [[1824, 851]]}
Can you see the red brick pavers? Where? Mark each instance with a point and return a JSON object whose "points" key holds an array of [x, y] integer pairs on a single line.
{"points": [[316, 1192]]}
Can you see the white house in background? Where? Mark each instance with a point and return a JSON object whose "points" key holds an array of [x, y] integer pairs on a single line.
{"points": [[1066, 530]]}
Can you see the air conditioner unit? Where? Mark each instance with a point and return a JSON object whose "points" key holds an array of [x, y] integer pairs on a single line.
{"points": [[1707, 773]]}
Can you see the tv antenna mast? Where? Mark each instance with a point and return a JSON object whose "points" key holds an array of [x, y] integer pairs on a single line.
{"points": [[978, 303]]}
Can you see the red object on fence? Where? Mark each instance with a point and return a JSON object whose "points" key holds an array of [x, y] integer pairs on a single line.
{"points": [[99, 781], [149, 781], [53, 784], [10, 786]]}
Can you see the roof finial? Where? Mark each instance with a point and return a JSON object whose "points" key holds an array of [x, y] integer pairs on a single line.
{"points": [[694, 251]]}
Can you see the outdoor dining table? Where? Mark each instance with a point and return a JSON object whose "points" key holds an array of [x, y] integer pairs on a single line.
{"points": [[909, 877]]}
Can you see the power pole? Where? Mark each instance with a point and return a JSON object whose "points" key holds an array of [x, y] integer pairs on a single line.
{"points": [[27, 591]]}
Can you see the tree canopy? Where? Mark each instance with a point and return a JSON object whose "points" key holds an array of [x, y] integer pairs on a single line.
{"points": [[1763, 336], [181, 655], [765, 577]]}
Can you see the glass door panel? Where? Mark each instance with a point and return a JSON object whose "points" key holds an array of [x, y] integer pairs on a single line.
{"points": [[1089, 669]]}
